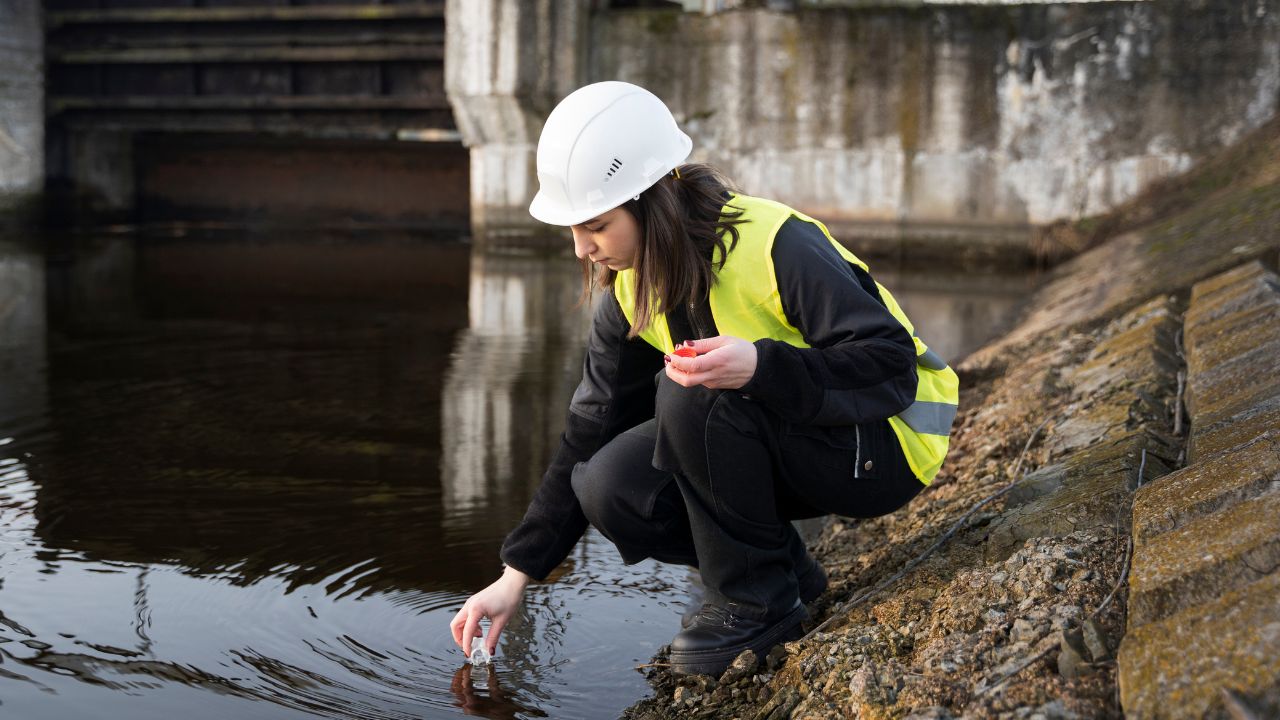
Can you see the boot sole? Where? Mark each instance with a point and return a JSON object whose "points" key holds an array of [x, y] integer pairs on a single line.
{"points": [[714, 662]]}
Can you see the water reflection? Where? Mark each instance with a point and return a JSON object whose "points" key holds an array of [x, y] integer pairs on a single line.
{"points": [[252, 475], [257, 476], [511, 374], [487, 698], [955, 310], [23, 327]]}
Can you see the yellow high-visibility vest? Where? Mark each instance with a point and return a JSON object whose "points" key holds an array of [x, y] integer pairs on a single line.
{"points": [[745, 303]]}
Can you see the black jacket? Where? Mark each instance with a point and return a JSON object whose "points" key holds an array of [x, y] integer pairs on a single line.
{"points": [[861, 367]]}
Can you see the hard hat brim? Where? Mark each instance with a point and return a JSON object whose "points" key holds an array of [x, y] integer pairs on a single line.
{"points": [[544, 210]]}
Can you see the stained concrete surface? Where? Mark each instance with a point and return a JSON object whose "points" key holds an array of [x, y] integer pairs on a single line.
{"points": [[21, 103]]}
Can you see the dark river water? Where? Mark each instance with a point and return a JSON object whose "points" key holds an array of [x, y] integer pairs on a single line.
{"points": [[253, 474]]}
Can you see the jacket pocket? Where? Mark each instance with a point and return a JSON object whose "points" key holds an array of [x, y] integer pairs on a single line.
{"points": [[833, 447]]}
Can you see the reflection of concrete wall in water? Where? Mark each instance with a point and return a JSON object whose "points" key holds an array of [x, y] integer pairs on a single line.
{"points": [[509, 381], [99, 286], [976, 117], [957, 312], [21, 102], [23, 391]]}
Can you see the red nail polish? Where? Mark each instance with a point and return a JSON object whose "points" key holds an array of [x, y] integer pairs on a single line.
{"points": [[666, 359]]}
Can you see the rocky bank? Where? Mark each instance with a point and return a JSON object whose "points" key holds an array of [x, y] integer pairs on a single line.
{"points": [[1104, 538]]}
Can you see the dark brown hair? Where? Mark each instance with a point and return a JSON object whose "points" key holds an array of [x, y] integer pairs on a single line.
{"points": [[683, 223]]}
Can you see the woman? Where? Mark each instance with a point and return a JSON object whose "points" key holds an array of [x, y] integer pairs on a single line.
{"points": [[742, 370]]}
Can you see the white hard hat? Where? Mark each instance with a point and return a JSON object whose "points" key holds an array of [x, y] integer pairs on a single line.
{"points": [[603, 145]]}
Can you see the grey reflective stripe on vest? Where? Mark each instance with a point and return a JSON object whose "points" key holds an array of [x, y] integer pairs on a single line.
{"points": [[930, 359], [930, 418]]}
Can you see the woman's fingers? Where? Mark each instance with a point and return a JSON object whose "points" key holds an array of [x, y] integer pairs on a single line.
{"points": [[496, 624], [455, 625], [692, 371], [711, 343], [692, 365], [729, 364], [470, 631]]}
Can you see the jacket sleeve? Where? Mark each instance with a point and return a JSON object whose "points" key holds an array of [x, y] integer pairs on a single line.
{"points": [[861, 365], [616, 393]]}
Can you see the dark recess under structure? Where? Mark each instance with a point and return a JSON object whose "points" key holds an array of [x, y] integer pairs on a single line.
{"points": [[145, 98]]}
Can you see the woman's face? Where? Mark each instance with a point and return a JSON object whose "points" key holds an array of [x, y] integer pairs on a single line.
{"points": [[610, 239]]}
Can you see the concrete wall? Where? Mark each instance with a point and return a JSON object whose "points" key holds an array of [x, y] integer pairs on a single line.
{"points": [[507, 63], [961, 115], [21, 103], [981, 119]]}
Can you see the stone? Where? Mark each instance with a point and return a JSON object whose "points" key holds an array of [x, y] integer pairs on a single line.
{"points": [[776, 657], [685, 696], [1136, 356], [1023, 629], [863, 682], [1212, 437], [1232, 341], [1095, 641], [1072, 662], [1088, 489], [934, 712], [1199, 561], [1233, 291], [1247, 380], [1209, 486], [780, 705], [741, 667], [1183, 660]]}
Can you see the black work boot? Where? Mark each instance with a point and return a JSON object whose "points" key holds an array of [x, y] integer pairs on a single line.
{"points": [[812, 580], [717, 635]]}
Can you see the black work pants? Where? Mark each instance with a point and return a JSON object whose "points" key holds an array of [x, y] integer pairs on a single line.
{"points": [[714, 479]]}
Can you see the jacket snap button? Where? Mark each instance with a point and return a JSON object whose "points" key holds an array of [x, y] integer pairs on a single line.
{"points": [[866, 465]]}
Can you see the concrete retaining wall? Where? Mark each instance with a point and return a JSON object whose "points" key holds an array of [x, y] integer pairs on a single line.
{"points": [[971, 120], [21, 103]]}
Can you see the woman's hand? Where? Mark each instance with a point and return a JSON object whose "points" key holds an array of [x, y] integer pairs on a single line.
{"points": [[723, 362], [498, 602]]}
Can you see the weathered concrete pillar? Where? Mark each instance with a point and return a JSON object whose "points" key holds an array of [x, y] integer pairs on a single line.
{"points": [[21, 108], [23, 320], [507, 63], [100, 165]]}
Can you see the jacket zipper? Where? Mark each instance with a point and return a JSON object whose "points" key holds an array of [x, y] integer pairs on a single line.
{"points": [[693, 321], [857, 453]]}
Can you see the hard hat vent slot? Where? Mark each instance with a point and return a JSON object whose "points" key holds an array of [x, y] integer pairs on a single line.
{"points": [[614, 167]]}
